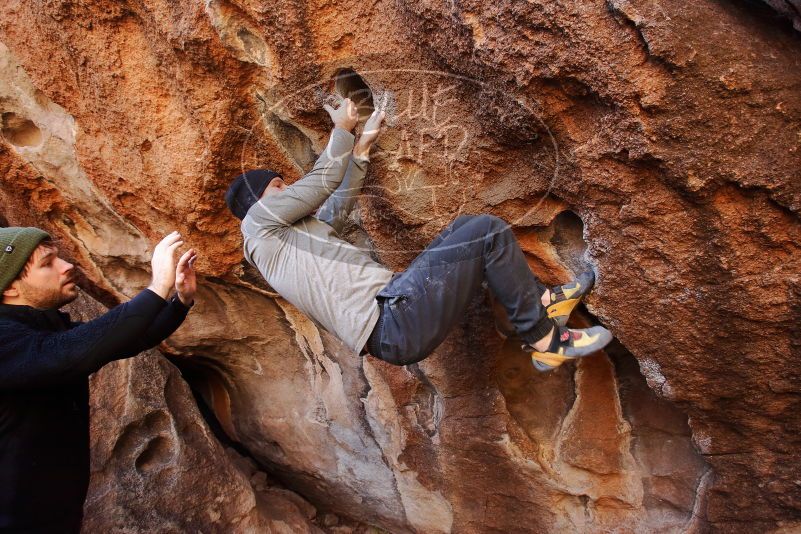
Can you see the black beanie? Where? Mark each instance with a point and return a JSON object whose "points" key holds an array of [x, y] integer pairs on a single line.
{"points": [[246, 189]]}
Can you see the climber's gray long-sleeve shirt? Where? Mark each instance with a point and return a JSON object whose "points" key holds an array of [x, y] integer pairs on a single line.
{"points": [[304, 258]]}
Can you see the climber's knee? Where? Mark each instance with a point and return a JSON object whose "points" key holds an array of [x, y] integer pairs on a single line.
{"points": [[461, 220], [491, 221], [494, 228], [484, 228]]}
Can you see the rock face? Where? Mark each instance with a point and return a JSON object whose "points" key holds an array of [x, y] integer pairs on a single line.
{"points": [[657, 142], [156, 466]]}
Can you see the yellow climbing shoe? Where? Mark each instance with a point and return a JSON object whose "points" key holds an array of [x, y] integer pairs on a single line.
{"points": [[565, 297], [569, 344]]}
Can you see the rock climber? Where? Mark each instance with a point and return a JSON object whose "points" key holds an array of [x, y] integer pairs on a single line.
{"points": [[45, 363], [397, 317]]}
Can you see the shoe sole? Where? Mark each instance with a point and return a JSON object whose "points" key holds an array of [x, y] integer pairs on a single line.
{"points": [[547, 361], [542, 367]]}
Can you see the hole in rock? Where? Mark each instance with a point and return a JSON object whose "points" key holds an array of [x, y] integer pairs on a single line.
{"points": [[20, 131], [254, 47], [213, 403], [568, 240], [144, 430], [296, 144], [348, 84], [208, 389], [661, 442], [205, 384], [156, 453]]}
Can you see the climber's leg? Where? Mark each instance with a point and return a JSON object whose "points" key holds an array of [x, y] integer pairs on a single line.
{"points": [[421, 304]]}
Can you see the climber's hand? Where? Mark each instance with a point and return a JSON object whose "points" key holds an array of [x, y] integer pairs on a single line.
{"points": [[163, 264], [372, 128], [346, 116], [185, 277]]}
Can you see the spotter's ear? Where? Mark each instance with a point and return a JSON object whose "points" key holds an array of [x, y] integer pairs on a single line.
{"points": [[12, 291]]}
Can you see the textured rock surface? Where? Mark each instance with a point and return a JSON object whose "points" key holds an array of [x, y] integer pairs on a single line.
{"points": [[156, 466], [667, 136]]}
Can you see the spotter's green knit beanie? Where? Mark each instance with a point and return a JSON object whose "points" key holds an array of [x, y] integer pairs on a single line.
{"points": [[16, 246]]}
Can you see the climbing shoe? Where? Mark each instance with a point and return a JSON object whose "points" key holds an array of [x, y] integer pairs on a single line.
{"points": [[569, 344], [565, 297]]}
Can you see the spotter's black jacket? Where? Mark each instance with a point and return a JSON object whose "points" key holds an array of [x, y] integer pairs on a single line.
{"points": [[45, 363]]}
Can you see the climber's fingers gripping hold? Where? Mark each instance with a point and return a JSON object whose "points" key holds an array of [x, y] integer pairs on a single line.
{"points": [[346, 116], [372, 128]]}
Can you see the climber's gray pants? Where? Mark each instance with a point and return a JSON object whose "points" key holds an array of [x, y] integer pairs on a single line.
{"points": [[421, 304]]}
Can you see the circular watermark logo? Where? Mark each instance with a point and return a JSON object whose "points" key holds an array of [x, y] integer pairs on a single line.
{"points": [[443, 151]]}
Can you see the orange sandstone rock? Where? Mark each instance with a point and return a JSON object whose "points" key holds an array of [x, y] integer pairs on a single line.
{"points": [[656, 142]]}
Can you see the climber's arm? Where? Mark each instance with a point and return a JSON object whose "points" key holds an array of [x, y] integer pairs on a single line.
{"points": [[336, 209], [304, 196]]}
